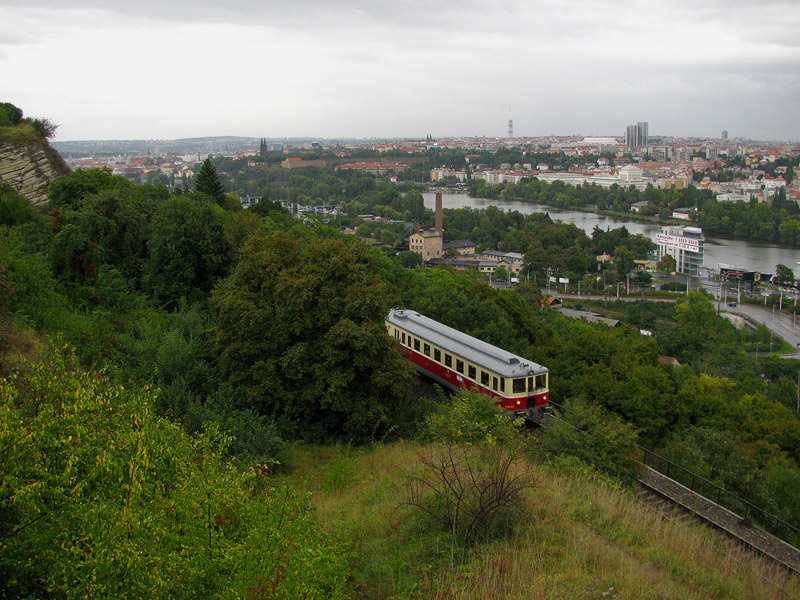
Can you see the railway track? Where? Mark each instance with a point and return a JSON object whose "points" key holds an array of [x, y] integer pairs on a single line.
{"points": [[676, 501], [660, 489]]}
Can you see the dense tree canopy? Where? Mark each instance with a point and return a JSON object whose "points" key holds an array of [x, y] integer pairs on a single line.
{"points": [[189, 250], [301, 335]]}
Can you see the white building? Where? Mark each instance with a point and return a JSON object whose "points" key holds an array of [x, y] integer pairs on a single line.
{"points": [[733, 197], [630, 175], [685, 245]]}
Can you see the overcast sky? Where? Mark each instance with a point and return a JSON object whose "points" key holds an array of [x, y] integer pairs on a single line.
{"points": [[113, 69]]}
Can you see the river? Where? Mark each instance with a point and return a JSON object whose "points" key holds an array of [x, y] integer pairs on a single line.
{"points": [[747, 254]]}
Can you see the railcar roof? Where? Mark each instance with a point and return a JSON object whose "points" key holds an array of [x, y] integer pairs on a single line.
{"points": [[472, 349]]}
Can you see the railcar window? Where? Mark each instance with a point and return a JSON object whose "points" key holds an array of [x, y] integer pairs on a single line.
{"points": [[404, 338], [484, 378], [437, 355], [416, 344], [472, 372], [503, 384], [460, 366], [427, 350], [518, 385], [530, 384], [541, 381], [448, 360], [494, 383]]}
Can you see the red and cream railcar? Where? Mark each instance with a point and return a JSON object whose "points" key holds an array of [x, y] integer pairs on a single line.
{"points": [[457, 360]]}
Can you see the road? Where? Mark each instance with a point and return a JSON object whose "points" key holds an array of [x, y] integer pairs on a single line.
{"points": [[781, 324]]}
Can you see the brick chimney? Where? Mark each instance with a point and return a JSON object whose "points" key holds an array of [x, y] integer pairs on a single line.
{"points": [[439, 212]]}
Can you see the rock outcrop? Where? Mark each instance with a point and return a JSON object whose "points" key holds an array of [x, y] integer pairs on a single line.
{"points": [[29, 169]]}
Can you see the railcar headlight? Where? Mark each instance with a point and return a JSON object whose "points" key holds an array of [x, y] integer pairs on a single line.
{"points": [[518, 402]]}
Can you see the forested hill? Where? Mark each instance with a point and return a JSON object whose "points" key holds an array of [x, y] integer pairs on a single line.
{"points": [[182, 382], [27, 161]]}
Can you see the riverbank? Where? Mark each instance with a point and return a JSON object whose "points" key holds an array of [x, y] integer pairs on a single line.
{"points": [[751, 255]]}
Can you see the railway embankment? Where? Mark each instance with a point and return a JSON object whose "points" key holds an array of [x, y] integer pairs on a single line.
{"points": [[736, 526]]}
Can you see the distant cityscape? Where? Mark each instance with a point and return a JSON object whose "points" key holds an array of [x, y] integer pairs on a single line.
{"points": [[636, 159]]}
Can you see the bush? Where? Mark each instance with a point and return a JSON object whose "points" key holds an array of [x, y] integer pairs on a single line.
{"points": [[102, 499], [471, 418], [10, 114], [594, 436], [674, 286], [45, 128], [14, 209], [472, 492], [469, 483]]}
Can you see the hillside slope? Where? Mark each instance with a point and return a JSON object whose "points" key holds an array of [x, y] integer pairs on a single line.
{"points": [[578, 535]]}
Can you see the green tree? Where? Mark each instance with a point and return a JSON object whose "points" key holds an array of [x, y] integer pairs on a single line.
{"points": [[189, 250], [784, 274], [695, 311], [10, 114], [74, 256], [207, 182], [14, 209], [623, 262], [410, 259], [667, 264], [643, 278], [594, 436], [501, 273], [530, 292], [71, 190], [301, 335]]}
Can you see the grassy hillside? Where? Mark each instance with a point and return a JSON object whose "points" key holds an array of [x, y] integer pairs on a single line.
{"points": [[579, 535]]}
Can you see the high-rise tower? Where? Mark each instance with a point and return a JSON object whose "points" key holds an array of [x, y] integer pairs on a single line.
{"points": [[643, 133], [637, 136], [510, 124]]}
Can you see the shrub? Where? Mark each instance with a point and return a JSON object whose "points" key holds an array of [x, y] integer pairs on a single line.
{"points": [[102, 499], [473, 492], [471, 418], [594, 436], [10, 114]]}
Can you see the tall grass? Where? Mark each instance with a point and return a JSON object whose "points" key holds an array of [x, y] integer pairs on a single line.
{"points": [[578, 536]]}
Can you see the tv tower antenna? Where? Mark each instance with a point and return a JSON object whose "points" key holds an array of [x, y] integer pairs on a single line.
{"points": [[510, 124]]}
